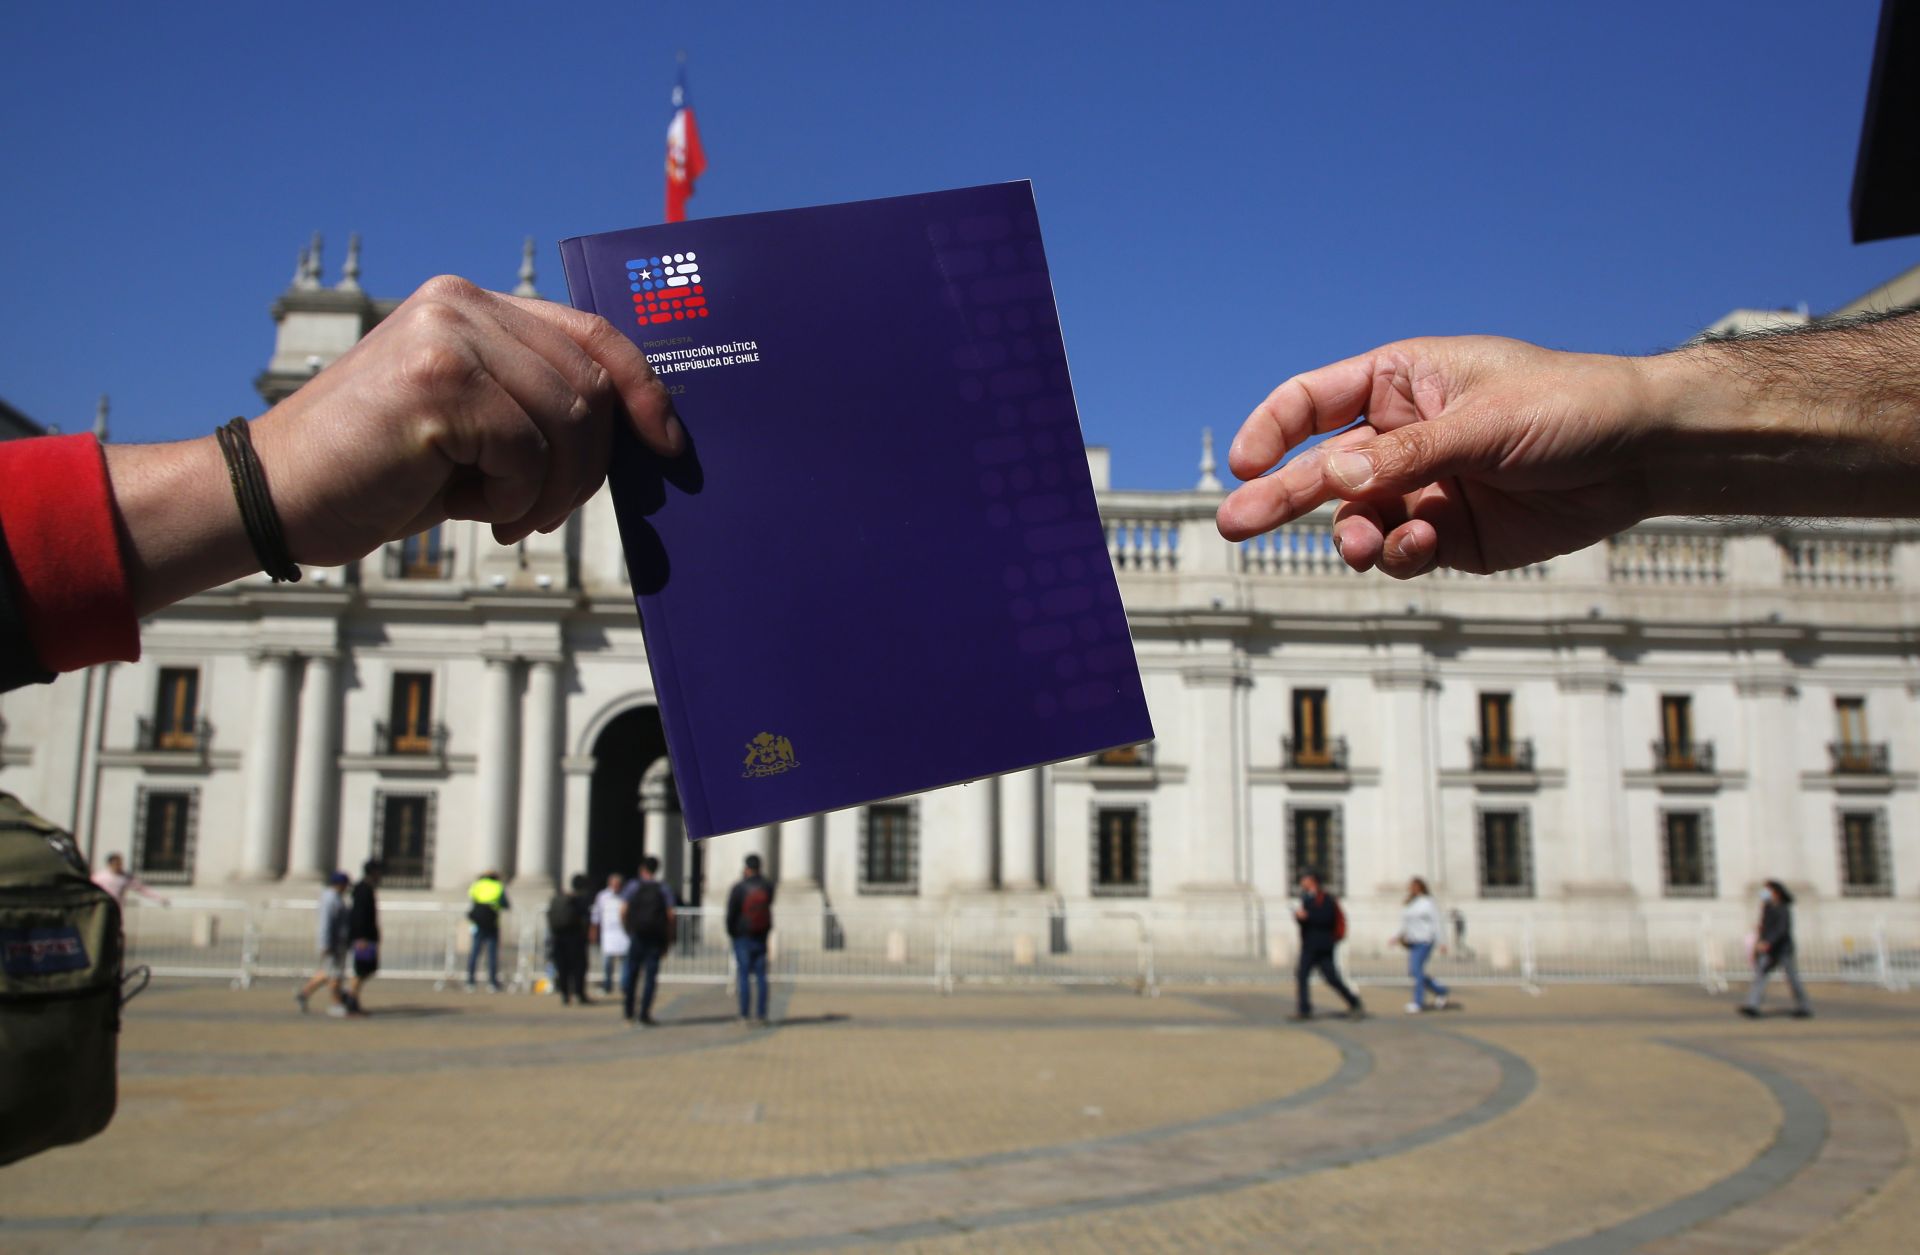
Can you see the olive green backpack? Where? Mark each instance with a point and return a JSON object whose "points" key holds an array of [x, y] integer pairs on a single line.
{"points": [[60, 989]]}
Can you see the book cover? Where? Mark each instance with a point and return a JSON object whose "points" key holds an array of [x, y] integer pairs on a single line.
{"points": [[879, 569]]}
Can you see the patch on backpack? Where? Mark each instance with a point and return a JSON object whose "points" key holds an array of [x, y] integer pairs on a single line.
{"points": [[41, 951]]}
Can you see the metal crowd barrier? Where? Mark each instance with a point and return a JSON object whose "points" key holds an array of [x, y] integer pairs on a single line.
{"points": [[1136, 944]]}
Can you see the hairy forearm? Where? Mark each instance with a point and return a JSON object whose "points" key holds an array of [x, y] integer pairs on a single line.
{"points": [[1818, 421]]}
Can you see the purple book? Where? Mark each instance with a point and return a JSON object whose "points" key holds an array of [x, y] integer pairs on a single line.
{"points": [[880, 568]]}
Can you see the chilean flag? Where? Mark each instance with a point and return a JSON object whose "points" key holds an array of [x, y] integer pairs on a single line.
{"points": [[686, 160]]}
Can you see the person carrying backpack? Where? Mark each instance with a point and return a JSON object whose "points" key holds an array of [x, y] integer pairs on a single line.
{"points": [[646, 915], [1323, 926], [567, 918], [749, 920], [488, 897]]}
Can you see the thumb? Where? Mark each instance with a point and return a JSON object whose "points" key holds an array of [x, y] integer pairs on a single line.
{"points": [[1408, 458]]}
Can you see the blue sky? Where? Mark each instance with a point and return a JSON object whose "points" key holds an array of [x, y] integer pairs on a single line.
{"points": [[1230, 193]]}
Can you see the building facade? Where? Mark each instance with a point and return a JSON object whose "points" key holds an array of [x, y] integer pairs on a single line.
{"points": [[1659, 722]]}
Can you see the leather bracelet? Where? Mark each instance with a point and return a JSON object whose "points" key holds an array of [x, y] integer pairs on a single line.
{"points": [[261, 520]]}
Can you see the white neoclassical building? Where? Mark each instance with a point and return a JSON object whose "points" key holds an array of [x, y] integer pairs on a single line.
{"points": [[1672, 716]]}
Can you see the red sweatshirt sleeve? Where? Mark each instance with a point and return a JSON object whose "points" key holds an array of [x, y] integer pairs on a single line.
{"points": [[56, 511]]}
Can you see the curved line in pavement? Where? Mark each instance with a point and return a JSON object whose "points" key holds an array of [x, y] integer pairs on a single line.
{"points": [[1356, 1064], [1803, 1131], [1517, 1081]]}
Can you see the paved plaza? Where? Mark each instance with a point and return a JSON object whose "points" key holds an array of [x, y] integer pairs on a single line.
{"points": [[1584, 1119]]}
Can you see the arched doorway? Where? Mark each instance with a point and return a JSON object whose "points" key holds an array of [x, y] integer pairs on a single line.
{"points": [[616, 830]]}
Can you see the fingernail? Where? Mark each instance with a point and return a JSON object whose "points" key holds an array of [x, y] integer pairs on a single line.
{"points": [[1339, 546], [1350, 468], [676, 435]]}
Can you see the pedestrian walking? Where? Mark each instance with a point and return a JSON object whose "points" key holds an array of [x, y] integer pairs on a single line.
{"points": [[1774, 949], [609, 933], [647, 918], [568, 917], [749, 920], [487, 898], [330, 934], [1323, 926], [363, 934], [1420, 933], [118, 882]]}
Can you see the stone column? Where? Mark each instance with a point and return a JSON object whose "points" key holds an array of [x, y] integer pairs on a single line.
{"points": [[269, 774], [498, 768], [1216, 777], [799, 855], [1596, 822], [974, 814], [1408, 846], [661, 833], [316, 776], [1774, 842], [1020, 870], [540, 779]]}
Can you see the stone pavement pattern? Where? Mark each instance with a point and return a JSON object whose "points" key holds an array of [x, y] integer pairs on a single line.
{"points": [[1590, 1120]]}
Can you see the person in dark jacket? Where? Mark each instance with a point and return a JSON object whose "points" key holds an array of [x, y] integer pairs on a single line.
{"points": [[1774, 949], [569, 918], [1320, 932], [749, 920], [363, 933]]}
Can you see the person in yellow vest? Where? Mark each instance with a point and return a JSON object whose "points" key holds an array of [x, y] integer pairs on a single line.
{"points": [[489, 898]]}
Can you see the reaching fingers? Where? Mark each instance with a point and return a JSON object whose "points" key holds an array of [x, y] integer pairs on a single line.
{"points": [[640, 390], [1264, 504], [1318, 401]]}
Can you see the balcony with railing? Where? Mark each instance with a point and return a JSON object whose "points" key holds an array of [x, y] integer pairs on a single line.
{"points": [[1324, 754], [1859, 758], [1140, 755], [420, 742], [154, 737], [1683, 757], [1515, 755]]}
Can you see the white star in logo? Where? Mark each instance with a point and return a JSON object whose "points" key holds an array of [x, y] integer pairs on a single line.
{"points": [[646, 274]]}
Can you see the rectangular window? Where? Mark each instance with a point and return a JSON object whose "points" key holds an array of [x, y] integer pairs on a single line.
{"points": [[1140, 755], [1865, 869], [1496, 732], [1676, 733], [1506, 855], [410, 713], [888, 849], [1310, 745], [1314, 841], [421, 556], [1687, 853], [403, 839], [176, 712], [1120, 850], [1850, 718], [1852, 752], [164, 827]]}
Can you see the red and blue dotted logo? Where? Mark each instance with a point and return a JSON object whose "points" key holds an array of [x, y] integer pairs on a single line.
{"points": [[666, 288]]}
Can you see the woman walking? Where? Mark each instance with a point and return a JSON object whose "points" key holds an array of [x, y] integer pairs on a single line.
{"points": [[1775, 949], [1419, 933]]}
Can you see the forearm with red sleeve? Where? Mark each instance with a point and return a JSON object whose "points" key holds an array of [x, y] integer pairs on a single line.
{"points": [[64, 598]]}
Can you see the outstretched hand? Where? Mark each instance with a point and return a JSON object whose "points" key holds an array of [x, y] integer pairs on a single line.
{"points": [[1477, 453]]}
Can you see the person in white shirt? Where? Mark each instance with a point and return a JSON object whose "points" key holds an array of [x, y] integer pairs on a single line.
{"points": [[609, 931], [1420, 933], [117, 882]]}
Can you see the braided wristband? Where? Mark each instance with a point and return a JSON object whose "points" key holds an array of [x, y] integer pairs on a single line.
{"points": [[261, 520]]}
